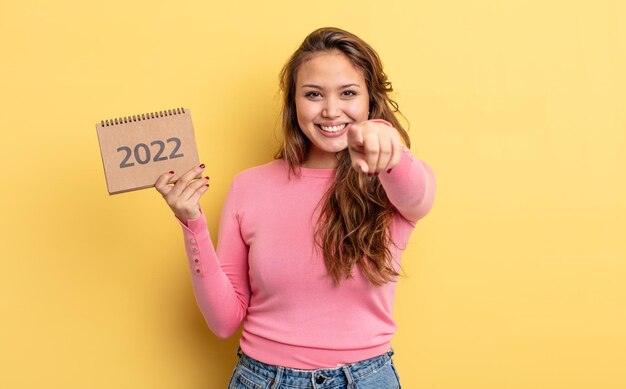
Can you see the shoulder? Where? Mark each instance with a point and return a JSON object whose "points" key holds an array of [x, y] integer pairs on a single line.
{"points": [[262, 173], [252, 185]]}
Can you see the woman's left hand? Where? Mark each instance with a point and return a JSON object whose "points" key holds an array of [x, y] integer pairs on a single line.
{"points": [[374, 146]]}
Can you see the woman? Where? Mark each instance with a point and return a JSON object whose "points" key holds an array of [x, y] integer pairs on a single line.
{"points": [[309, 244]]}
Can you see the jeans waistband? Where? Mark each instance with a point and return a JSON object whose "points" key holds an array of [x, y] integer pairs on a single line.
{"points": [[351, 370]]}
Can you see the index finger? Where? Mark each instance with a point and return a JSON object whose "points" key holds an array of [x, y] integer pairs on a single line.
{"points": [[183, 180]]}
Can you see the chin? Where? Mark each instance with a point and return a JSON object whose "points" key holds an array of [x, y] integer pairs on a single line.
{"points": [[334, 148]]}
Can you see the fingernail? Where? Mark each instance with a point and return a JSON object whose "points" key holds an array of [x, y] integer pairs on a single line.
{"points": [[171, 172], [388, 171], [202, 166], [207, 177], [207, 185]]}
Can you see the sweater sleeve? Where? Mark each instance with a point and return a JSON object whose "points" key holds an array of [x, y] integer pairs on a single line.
{"points": [[219, 278], [410, 187]]}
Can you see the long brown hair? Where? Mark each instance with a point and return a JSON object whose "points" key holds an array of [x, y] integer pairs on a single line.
{"points": [[353, 227]]}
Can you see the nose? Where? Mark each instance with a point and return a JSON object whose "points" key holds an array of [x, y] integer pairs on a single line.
{"points": [[332, 108]]}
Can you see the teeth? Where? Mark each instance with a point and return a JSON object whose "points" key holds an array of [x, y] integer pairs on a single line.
{"points": [[333, 128]]}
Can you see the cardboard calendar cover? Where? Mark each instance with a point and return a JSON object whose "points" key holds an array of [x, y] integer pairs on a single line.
{"points": [[137, 149]]}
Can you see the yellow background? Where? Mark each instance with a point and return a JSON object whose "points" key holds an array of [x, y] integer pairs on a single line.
{"points": [[516, 279]]}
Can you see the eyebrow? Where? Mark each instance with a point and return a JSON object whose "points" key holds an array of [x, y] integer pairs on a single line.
{"points": [[319, 87]]}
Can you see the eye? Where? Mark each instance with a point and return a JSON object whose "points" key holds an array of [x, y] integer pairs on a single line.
{"points": [[352, 93], [311, 94]]}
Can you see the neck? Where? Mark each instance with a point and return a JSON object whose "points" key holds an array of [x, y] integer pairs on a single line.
{"points": [[320, 161], [319, 165]]}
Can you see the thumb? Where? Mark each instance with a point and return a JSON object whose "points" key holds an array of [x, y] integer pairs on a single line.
{"points": [[359, 163]]}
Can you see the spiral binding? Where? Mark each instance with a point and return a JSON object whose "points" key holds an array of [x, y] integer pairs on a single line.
{"points": [[143, 116]]}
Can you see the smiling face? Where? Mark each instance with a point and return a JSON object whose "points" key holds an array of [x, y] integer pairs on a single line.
{"points": [[330, 95]]}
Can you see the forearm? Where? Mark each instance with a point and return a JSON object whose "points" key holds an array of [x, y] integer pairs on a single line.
{"points": [[222, 308], [410, 186]]}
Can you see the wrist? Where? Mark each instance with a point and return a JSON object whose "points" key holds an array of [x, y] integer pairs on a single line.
{"points": [[381, 121]]}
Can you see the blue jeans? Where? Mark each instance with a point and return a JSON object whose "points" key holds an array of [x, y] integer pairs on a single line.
{"points": [[374, 373]]}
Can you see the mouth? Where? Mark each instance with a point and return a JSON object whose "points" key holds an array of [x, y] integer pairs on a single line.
{"points": [[333, 129]]}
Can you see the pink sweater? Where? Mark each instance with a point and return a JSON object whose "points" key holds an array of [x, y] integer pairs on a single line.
{"points": [[267, 275]]}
